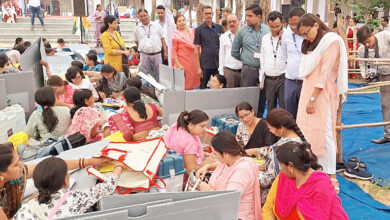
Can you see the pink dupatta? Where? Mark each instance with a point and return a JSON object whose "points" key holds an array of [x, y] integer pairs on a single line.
{"points": [[315, 199], [188, 41]]}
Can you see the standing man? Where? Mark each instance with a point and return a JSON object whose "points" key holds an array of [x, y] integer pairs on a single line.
{"points": [[292, 54], [161, 21], [35, 8], [207, 46], [272, 63], [377, 46], [246, 47], [226, 12], [385, 23], [149, 38], [228, 65]]}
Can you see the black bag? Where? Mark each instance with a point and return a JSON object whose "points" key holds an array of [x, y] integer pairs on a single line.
{"points": [[125, 60], [77, 140]]}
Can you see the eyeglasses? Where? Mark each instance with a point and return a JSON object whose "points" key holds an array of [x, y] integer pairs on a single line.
{"points": [[304, 35], [242, 117]]}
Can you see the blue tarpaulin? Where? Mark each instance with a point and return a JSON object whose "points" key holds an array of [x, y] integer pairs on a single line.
{"points": [[357, 143]]}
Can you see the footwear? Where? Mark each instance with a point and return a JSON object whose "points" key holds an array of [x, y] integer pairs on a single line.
{"points": [[32, 28], [340, 167], [353, 171], [381, 141], [44, 28]]}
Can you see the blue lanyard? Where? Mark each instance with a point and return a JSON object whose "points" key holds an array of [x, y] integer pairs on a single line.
{"points": [[148, 33], [277, 46], [295, 41], [254, 39], [214, 29]]}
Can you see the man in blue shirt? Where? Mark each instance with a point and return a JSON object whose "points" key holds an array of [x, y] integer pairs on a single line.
{"points": [[246, 48], [292, 54], [207, 46]]}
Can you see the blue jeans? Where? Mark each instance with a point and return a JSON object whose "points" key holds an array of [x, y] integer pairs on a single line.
{"points": [[33, 11]]}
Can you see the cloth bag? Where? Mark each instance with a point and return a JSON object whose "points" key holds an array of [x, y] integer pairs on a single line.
{"points": [[142, 159]]}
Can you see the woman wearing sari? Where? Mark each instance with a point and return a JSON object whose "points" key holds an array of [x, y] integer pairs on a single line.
{"points": [[183, 52], [252, 132], [353, 44], [300, 191], [98, 17]]}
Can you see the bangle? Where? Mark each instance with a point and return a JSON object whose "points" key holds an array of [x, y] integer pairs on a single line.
{"points": [[83, 162], [79, 163]]}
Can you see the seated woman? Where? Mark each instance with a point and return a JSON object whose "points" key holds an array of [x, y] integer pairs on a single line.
{"points": [[300, 191], [92, 67], [183, 137], [85, 117], [51, 178], [138, 119], [63, 91], [252, 132], [14, 174], [111, 83], [147, 93], [218, 82], [234, 171], [282, 124], [50, 121], [76, 80]]}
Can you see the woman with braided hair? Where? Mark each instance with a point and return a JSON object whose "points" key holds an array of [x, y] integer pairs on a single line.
{"points": [[282, 124]]}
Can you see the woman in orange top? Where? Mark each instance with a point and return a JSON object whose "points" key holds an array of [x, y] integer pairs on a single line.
{"points": [[300, 191], [113, 45]]}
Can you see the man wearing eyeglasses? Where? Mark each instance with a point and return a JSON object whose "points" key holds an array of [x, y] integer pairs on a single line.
{"points": [[292, 54], [228, 65], [377, 46]]}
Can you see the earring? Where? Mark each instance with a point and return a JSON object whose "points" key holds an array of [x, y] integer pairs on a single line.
{"points": [[2, 178]]}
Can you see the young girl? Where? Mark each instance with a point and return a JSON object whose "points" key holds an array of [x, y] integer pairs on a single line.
{"points": [[134, 61], [50, 121], [63, 91], [75, 77], [51, 178], [92, 68], [85, 117]]}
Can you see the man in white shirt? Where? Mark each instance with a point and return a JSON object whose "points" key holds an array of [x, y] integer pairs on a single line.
{"points": [[161, 21], [292, 54], [385, 23], [149, 38], [228, 65], [35, 9], [272, 63]]}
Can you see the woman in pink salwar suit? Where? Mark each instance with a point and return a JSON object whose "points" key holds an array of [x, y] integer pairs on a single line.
{"points": [[234, 171], [98, 17], [183, 52], [324, 68]]}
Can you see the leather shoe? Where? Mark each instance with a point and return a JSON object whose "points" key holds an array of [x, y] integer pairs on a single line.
{"points": [[381, 141]]}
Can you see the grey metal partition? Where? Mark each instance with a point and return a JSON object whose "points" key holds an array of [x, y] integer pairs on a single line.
{"points": [[20, 89], [3, 94], [213, 101]]}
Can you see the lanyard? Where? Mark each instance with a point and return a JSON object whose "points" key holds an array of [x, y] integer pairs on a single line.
{"points": [[148, 33], [295, 41], [256, 42], [277, 47], [230, 38], [162, 24], [213, 29]]}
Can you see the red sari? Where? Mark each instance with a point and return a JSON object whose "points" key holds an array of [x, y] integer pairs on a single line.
{"points": [[183, 49]]}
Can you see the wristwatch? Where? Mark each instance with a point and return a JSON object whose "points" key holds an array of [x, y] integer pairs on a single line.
{"points": [[312, 99]]}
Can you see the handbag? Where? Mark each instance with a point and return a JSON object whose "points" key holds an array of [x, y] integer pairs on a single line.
{"points": [[125, 60], [142, 160]]}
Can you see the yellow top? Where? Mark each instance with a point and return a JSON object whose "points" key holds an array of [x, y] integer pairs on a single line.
{"points": [[268, 211], [111, 49]]}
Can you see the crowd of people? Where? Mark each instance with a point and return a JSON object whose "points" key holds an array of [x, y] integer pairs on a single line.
{"points": [[302, 72]]}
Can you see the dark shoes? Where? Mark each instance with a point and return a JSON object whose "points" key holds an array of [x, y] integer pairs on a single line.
{"points": [[381, 141], [353, 170]]}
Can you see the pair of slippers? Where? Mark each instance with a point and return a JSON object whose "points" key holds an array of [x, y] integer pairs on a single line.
{"points": [[352, 162], [362, 165]]}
